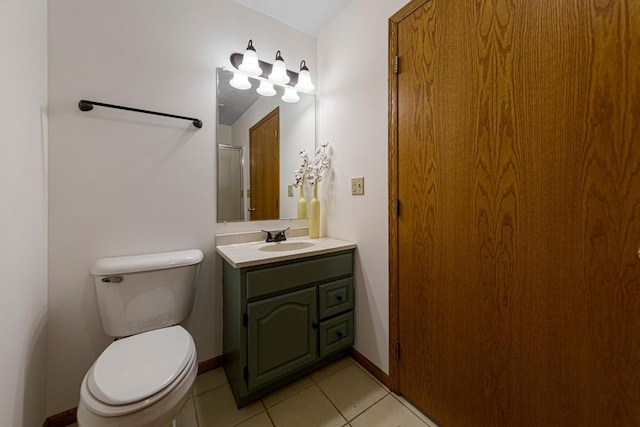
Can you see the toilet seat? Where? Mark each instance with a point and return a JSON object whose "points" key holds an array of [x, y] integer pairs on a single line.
{"points": [[135, 372]]}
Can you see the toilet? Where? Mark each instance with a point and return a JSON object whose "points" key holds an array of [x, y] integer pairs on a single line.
{"points": [[145, 376]]}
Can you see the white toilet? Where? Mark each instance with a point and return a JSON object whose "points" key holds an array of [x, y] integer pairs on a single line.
{"points": [[146, 378]]}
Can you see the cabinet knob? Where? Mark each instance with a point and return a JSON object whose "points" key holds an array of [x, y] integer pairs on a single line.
{"points": [[314, 325], [339, 334], [339, 297]]}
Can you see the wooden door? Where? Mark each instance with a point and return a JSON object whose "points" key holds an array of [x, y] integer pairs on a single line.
{"points": [[264, 167], [515, 158]]}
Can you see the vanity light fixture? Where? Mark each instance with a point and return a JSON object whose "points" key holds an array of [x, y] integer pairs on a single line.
{"points": [[279, 71], [304, 79], [250, 63], [240, 81], [266, 88], [290, 95]]}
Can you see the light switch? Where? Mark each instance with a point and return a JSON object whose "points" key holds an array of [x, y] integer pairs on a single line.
{"points": [[290, 190], [357, 186]]}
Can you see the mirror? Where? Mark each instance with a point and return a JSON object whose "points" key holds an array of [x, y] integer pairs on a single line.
{"points": [[259, 139]]}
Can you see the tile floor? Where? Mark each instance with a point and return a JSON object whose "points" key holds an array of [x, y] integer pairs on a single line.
{"points": [[338, 395], [341, 394]]}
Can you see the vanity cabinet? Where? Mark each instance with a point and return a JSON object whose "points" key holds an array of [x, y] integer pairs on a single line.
{"points": [[283, 320]]}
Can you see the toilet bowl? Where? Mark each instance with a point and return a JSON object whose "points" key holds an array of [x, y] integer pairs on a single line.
{"points": [[145, 378]]}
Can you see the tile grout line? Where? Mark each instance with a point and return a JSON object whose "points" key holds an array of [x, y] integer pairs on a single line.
{"points": [[332, 404], [339, 411], [332, 374], [195, 413], [286, 398], [273, 423], [369, 407], [371, 376], [254, 416], [312, 383], [325, 394], [413, 410]]}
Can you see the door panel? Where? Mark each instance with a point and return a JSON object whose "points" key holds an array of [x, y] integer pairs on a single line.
{"points": [[518, 176], [264, 167], [280, 335]]}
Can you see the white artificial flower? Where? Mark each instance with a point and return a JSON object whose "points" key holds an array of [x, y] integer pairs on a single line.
{"points": [[320, 164]]}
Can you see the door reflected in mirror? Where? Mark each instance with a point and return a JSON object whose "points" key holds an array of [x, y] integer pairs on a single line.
{"points": [[259, 139]]}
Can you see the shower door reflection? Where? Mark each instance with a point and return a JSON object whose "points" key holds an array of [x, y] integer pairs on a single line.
{"points": [[230, 197]]}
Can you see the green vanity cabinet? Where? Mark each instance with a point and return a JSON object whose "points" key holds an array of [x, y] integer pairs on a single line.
{"points": [[283, 320]]}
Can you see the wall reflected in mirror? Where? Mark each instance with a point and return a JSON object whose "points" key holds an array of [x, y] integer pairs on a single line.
{"points": [[259, 139]]}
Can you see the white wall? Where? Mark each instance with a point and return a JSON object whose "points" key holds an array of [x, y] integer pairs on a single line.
{"points": [[352, 117], [123, 183], [23, 212]]}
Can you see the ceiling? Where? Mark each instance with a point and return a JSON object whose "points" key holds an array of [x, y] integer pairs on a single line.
{"points": [[232, 103], [308, 16]]}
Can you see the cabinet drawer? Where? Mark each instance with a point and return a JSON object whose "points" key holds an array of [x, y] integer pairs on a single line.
{"points": [[272, 280], [336, 334], [335, 297]]}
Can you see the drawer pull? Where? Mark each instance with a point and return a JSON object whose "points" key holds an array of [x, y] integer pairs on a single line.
{"points": [[339, 334], [339, 297]]}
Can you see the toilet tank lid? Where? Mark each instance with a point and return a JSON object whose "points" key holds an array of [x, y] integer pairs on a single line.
{"points": [[147, 262]]}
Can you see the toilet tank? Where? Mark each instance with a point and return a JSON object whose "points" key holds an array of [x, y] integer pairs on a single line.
{"points": [[144, 292]]}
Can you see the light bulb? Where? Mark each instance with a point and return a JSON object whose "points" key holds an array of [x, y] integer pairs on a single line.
{"points": [[304, 79], [266, 89], [250, 61], [279, 71], [290, 95], [240, 81]]}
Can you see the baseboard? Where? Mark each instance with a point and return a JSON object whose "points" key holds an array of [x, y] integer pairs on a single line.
{"points": [[69, 417], [378, 373], [209, 365], [62, 419]]}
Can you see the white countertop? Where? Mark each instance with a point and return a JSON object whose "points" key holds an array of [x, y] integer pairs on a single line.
{"points": [[257, 253]]}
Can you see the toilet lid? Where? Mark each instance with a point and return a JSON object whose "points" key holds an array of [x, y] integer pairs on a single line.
{"points": [[134, 368]]}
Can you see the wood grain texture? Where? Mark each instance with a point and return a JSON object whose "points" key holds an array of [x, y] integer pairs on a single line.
{"points": [[393, 207], [264, 167], [515, 152]]}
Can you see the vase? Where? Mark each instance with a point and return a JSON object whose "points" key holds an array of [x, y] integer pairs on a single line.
{"points": [[314, 214], [302, 203]]}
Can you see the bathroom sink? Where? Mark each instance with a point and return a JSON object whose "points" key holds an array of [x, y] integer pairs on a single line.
{"points": [[285, 246]]}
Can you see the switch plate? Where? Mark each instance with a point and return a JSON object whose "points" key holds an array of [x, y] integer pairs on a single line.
{"points": [[357, 186], [290, 191]]}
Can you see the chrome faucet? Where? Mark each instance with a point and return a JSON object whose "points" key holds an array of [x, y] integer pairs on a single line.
{"points": [[279, 236]]}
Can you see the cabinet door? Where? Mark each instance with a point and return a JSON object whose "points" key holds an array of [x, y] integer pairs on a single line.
{"points": [[281, 335]]}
